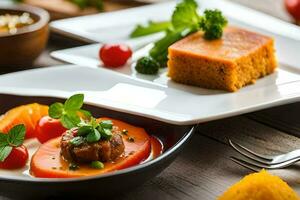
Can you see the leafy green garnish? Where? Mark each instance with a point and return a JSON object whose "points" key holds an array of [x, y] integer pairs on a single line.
{"points": [[184, 21], [75, 102], [14, 138], [160, 50], [93, 131], [107, 124], [93, 136], [68, 113], [147, 65], [212, 24], [84, 130], [72, 116], [150, 28], [4, 152], [16, 135], [76, 141], [185, 15]]}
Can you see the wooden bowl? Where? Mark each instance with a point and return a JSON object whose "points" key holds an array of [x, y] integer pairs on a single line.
{"points": [[23, 47]]}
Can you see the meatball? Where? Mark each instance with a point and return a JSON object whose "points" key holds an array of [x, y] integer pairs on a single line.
{"points": [[103, 150]]}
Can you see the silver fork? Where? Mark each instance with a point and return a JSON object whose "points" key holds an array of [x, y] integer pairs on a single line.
{"points": [[256, 161]]}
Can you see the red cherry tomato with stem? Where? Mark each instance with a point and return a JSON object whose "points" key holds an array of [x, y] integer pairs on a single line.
{"points": [[293, 7], [48, 128], [115, 55], [16, 159]]}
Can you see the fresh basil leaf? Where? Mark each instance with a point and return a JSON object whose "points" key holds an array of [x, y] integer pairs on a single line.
{"points": [[107, 124], [76, 141], [107, 134], [16, 135], [56, 110], [4, 152], [75, 102], [74, 117], [84, 130], [67, 122], [93, 136], [3, 139], [83, 123], [94, 123]]}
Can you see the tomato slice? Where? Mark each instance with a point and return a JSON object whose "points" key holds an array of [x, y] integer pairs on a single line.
{"points": [[47, 161], [28, 115]]}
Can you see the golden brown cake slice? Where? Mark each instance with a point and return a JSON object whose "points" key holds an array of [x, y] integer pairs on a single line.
{"points": [[238, 59]]}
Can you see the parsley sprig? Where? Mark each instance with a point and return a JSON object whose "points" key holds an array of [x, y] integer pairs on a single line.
{"points": [[14, 138], [69, 112], [184, 21]]}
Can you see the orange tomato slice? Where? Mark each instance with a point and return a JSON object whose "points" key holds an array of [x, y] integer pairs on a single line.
{"points": [[28, 115], [47, 161]]}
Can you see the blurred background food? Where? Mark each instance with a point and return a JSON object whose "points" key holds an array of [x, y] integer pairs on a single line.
{"points": [[70, 8], [23, 34], [288, 10]]}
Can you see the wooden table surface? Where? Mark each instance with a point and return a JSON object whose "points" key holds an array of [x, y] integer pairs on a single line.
{"points": [[203, 170]]}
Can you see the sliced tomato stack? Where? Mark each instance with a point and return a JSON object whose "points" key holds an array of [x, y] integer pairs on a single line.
{"points": [[28, 115]]}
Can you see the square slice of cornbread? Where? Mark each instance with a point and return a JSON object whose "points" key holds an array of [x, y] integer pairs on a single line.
{"points": [[237, 59]]}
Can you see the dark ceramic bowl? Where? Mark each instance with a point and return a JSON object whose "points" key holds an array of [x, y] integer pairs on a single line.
{"points": [[23, 47], [173, 138]]}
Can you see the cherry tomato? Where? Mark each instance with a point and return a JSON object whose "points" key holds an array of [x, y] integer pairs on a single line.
{"points": [[16, 159], [293, 7], [48, 128], [114, 55]]}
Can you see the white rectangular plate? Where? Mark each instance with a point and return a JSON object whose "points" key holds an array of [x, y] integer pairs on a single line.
{"points": [[162, 100], [156, 96], [115, 27]]}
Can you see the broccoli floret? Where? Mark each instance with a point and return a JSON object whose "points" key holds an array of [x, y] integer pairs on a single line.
{"points": [[212, 23], [147, 65]]}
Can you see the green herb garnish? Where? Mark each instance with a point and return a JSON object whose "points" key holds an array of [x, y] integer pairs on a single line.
{"points": [[14, 138], [76, 141], [93, 131], [184, 21], [106, 124], [72, 116], [212, 23], [68, 113], [97, 165], [150, 28], [93, 136], [147, 65]]}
